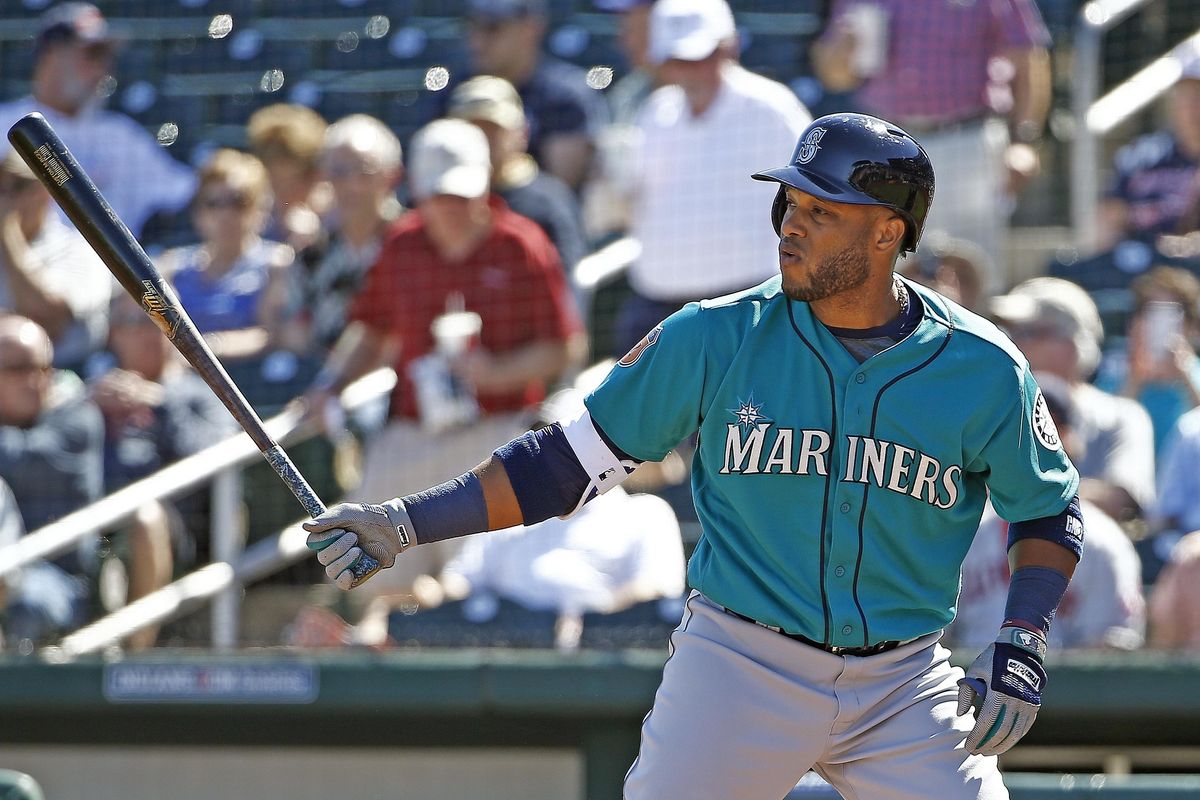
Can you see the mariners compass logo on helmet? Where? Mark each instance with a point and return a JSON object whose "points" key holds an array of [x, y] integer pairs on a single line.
{"points": [[810, 146]]}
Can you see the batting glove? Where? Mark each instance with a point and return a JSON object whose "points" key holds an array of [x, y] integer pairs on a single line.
{"points": [[344, 532], [1008, 677]]}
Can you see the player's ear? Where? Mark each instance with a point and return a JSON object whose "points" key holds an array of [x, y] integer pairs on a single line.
{"points": [[890, 231]]}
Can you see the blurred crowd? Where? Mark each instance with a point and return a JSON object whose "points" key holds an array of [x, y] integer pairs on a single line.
{"points": [[322, 250]]}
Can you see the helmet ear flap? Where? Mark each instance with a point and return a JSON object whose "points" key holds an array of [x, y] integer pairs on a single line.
{"points": [[778, 208]]}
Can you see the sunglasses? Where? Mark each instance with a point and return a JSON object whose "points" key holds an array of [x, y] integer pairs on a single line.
{"points": [[223, 201]]}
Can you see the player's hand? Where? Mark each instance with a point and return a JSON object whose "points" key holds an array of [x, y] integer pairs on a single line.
{"points": [[348, 530], [1008, 677]]}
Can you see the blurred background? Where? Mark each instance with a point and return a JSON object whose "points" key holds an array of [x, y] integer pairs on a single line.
{"points": [[412, 229]]}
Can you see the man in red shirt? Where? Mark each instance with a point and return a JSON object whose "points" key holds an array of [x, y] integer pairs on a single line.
{"points": [[461, 252]]}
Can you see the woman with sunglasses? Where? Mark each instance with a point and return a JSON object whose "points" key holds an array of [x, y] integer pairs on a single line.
{"points": [[233, 283]]}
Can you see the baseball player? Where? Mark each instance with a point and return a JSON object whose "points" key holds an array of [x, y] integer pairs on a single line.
{"points": [[851, 425]]}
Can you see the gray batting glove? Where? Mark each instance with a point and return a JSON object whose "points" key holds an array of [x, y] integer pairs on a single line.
{"points": [[1008, 677], [344, 532]]}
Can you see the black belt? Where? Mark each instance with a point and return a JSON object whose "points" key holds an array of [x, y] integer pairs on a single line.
{"points": [[870, 650]]}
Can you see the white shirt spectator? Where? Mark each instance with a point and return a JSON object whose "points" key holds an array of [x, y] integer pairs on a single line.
{"points": [[134, 173], [1116, 439], [1104, 606], [1179, 479], [66, 266], [617, 550], [704, 226]]}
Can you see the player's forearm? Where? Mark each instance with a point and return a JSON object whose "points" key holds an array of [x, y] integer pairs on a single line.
{"points": [[29, 297], [538, 362], [1041, 553], [1031, 93], [359, 350], [832, 61]]}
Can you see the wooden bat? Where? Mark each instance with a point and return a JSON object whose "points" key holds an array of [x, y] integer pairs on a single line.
{"points": [[41, 148]]}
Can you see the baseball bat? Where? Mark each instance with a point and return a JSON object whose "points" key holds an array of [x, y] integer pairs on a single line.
{"points": [[41, 148]]}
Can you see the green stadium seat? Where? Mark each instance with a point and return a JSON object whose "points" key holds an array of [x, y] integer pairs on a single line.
{"points": [[644, 625], [478, 621]]}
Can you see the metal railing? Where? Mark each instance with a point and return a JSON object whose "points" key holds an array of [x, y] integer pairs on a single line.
{"points": [[1095, 116], [231, 567]]}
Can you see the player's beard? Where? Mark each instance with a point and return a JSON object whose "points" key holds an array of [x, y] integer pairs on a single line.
{"points": [[840, 272]]}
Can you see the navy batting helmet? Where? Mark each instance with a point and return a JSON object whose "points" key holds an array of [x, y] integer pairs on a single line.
{"points": [[854, 158]]}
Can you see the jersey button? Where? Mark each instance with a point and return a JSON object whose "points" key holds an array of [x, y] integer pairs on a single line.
{"points": [[845, 508], [860, 378], [847, 630], [839, 571]]}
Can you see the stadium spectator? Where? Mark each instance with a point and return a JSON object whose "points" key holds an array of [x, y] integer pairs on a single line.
{"points": [[361, 159], [1103, 607], [954, 267], [289, 139], [625, 97], [234, 284], [932, 69], [47, 271], [494, 106], [565, 114], [605, 208], [1156, 184], [1158, 365], [461, 250], [11, 531], [156, 410], [72, 55], [1175, 598], [1178, 508], [1057, 327], [696, 215], [51, 456]]}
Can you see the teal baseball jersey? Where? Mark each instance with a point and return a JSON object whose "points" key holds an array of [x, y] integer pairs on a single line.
{"points": [[837, 500]]}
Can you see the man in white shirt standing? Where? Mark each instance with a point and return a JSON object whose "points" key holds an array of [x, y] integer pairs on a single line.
{"points": [[72, 55], [700, 136]]}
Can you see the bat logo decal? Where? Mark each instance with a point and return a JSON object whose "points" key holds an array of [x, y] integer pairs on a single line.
{"points": [[164, 316]]}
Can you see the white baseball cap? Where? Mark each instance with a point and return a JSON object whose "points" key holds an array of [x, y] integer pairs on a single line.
{"points": [[449, 156], [689, 30]]}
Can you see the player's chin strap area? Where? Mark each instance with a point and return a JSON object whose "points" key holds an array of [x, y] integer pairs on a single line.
{"points": [[604, 468]]}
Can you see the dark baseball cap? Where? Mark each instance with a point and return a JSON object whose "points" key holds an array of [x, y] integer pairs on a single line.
{"points": [[74, 22], [506, 9]]}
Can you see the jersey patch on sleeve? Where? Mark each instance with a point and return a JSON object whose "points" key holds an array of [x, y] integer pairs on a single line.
{"points": [[631, 358], [1043, 424]]}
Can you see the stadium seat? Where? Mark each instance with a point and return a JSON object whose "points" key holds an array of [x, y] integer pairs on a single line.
{"points": [[776, 56], [341, 9], [645, 625], [195, 54], [354, 51], [16, 60], [478, 621], [813, 787]]}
